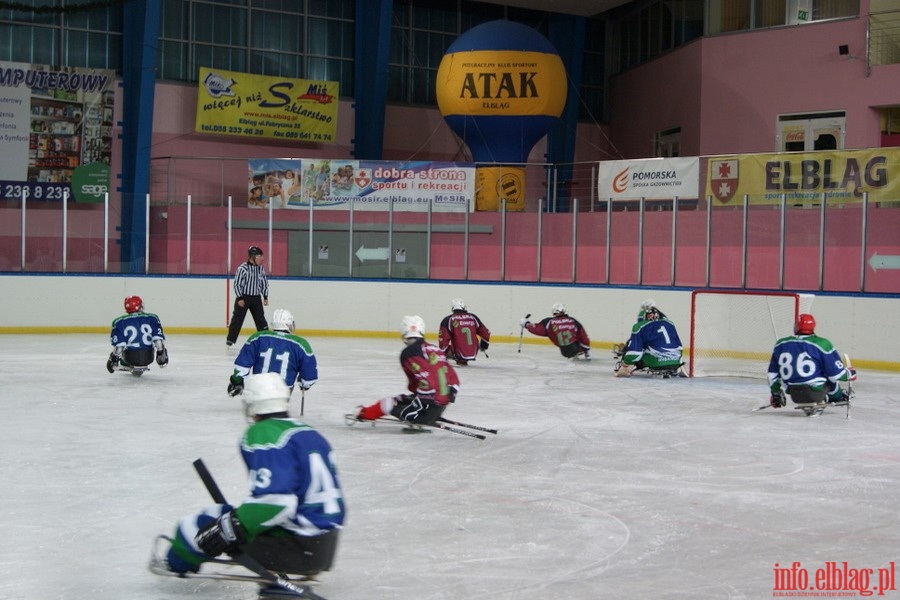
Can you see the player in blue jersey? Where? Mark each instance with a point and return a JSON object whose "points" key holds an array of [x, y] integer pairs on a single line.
{"points": [[807, 367], [277, 351], [136, 336], [431, 382], [654, 344], [291, 520], [618, 350]]}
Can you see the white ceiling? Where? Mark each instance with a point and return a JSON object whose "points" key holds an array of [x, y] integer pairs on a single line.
{"points": [[585, 8]]}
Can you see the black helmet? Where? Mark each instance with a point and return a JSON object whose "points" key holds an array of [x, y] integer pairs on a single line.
{"points": [[254, 251]]}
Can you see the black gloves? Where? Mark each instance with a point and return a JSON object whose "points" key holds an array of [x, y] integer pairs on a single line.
{"points": [[222, 535], [235, 385], [776, 400], [484, 345], [162, 357], [112, 363]]}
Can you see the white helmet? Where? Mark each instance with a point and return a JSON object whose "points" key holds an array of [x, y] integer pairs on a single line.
{"points": [[559, 309], [648, 304], [264, 394], [283, 320], [458, 304], [412, 327]]}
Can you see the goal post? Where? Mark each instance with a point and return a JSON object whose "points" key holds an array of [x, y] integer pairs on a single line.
{"points": [[733, 332]]}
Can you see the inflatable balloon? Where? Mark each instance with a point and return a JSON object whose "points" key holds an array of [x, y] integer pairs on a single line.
{"points": [[500, 87]]}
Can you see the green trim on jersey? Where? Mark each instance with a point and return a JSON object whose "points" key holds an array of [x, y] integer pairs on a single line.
{"points": [[287, 336], [253, 515], [139, 313], [271, 433], [822, 343]]}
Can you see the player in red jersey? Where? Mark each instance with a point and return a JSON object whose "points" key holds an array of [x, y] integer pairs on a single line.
{"points": [[462, 334], [564, 331], [432, 382]]}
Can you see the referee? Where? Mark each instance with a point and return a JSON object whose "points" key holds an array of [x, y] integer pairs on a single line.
{"points": [[251, 292]]}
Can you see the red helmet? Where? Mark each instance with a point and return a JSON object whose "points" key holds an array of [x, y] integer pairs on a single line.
{"points": [[133, 304], [805, 325]]}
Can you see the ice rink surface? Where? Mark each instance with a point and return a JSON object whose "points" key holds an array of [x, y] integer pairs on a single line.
{"points": [[595, 487]]}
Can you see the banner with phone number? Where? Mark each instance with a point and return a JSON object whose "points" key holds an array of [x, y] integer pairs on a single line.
{"points": [[366, 185], [259, 106]]}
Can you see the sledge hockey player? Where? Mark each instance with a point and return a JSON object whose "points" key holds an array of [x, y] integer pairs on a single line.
{"points": [[564, 331], [431, 381], [654, 345], [808, 368], [135, 337], [459, 333], [291, 520], [278, 351], [619, 349]]}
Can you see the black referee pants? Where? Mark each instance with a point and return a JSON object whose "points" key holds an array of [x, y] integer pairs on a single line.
{"points": [[255, 305]]}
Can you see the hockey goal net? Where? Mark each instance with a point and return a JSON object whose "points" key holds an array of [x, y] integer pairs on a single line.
{"points": [[733, 332]]}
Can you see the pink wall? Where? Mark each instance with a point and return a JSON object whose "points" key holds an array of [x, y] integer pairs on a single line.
{"points": [[726, 91]]}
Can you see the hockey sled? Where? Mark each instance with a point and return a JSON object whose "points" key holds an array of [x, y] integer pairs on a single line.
{"points": [[135, 371], [351, 420], [441, 423], [229, 570]]}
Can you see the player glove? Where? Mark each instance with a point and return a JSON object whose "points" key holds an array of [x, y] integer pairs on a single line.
{"points": [[112, 363], [162, 357], [235, 385], [776, 401], [484, 345], [524, 323], [852, 374], [222, 535]]}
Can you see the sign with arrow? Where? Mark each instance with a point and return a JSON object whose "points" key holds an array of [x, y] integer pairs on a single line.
{"points": [[364, 254], [884, 261]]}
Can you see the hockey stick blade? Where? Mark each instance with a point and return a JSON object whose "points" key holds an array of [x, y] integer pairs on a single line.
{"points": [[467, 426], [762, 407], [239, 555]]}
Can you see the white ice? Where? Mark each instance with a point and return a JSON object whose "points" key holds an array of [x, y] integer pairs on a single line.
{"points": [[595, 487]]}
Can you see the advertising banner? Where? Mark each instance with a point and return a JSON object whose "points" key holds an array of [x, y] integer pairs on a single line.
{"points": [[260, 106], [803, 177], [654, 178], [366, 185], [55, 122]]}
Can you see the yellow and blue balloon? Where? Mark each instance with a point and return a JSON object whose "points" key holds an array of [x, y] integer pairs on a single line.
{"points": [[500, 87]]}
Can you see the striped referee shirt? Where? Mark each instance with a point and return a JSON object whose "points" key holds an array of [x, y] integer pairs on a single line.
{"points": [[250, 280]]}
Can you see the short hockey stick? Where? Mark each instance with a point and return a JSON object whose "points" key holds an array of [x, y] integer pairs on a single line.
{"points": [[351, 420], [783, 403], [440, 425], [522, 332], [466, 425], [302, 400], [849, 367], [245, 559]]}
